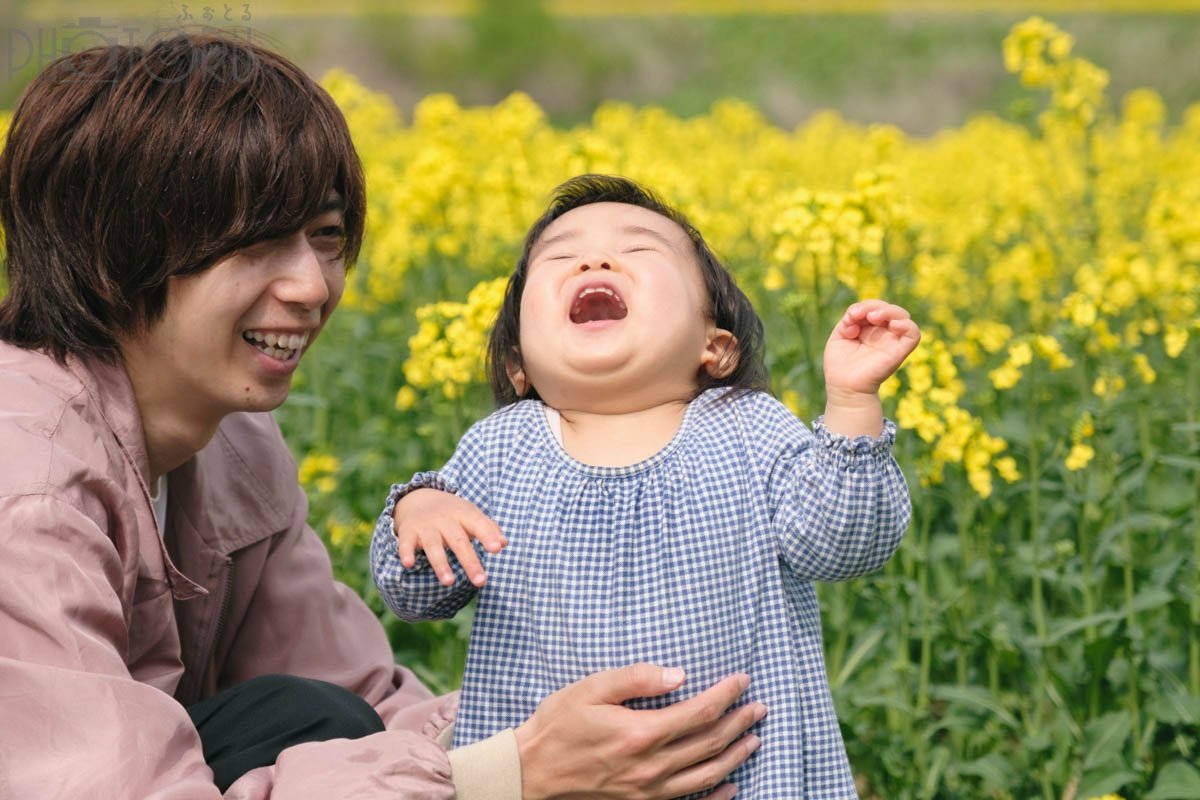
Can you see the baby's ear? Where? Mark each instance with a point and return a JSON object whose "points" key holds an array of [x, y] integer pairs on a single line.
{"points": [[720, 356], [516, 374]]}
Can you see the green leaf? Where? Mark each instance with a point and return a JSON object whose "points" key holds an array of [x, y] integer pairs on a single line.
{"points": [[933, 775], [862, 648], [978, 698], [1104, 738], [993, 770], [1175, 708], [1183, 462], [1105, 780], [1178, 780]]}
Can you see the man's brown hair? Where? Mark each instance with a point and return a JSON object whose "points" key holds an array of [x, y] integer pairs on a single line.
{"points": [[128, 165]]}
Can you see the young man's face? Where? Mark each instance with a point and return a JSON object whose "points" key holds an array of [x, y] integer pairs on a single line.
{"points": [[614, 305], [232, 336]]}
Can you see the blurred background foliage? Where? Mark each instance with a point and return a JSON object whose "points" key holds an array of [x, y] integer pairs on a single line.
{"points": [[1038, 634]]}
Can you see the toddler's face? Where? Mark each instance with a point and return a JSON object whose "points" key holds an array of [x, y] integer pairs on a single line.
{"points": [[614, 305]]}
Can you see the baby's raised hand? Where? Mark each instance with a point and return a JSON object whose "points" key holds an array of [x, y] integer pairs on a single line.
{"points": [[868, 344], [434, 521]]}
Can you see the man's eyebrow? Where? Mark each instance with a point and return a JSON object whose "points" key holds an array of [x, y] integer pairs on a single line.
{"points": [[332, 203]]}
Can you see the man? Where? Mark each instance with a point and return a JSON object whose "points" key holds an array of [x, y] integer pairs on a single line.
{"points": [[178, 221]]}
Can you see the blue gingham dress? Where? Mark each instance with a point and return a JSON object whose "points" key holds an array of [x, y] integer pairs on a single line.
{"points": [[701, 556]]}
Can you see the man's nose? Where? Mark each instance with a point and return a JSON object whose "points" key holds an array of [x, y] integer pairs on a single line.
{"points": [[303, 283]]}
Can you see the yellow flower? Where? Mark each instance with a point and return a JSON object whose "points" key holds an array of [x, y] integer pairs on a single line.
{"points": [[1050, 349], [1079, 456], [1084, 427], [773, 281], [354, 534], [791, 399], [1020, 354], [1174, 340], [1005, 376], [316, 466], [1108, 385], [1006, 468], [1144, 370], [406, 398]]}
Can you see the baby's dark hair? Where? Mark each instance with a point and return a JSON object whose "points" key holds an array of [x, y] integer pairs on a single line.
{"points": [[729, 308]]}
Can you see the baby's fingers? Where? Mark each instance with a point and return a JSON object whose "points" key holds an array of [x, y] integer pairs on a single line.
{"points": [[406, 547], [434, 545], [485, 531], [468, 559]]}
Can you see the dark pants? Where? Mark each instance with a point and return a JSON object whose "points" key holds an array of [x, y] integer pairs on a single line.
{"points": [[248, 725]]}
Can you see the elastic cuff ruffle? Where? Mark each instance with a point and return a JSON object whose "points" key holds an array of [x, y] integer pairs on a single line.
{"points": [[845, 451], [422, 480]]}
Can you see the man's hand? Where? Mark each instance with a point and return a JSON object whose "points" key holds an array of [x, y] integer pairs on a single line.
{"points": [[582, 742], [433, 521]]}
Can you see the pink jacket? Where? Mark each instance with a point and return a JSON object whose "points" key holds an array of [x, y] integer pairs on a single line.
{"points": [[106, 633]]}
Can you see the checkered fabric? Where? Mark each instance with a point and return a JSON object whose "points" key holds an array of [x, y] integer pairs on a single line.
{"points": [[701, 556]]}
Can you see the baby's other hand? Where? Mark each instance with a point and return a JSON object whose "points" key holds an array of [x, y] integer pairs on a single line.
{"points": [[867, 345], [433, 521]]}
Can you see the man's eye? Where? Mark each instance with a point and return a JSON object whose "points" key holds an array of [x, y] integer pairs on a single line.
{"points": [[335, 231]]}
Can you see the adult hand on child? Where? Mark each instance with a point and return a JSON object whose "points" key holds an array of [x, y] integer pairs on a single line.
{"points": [[867, 345], [582, 742], [434, 521]]}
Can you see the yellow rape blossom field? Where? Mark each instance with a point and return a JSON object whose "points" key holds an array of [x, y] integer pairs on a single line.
{"points": [[1038, 634]]}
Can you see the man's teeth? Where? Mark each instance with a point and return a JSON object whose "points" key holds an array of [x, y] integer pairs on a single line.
{"points": [[281, 346]]}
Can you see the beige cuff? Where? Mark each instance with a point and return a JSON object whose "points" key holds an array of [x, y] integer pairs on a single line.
{"points": [[488, 770]]}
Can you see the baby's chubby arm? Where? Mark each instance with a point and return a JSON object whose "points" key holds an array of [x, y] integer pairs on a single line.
{"points": [[867, 345], [425, 554], [434, 522], [839, 502]]}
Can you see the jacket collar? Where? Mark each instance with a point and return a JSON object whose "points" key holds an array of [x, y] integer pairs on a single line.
{"points": [[110, 389], [223, 511]]}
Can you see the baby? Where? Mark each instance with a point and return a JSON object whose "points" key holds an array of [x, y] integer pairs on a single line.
{"points": [[656, 503]]}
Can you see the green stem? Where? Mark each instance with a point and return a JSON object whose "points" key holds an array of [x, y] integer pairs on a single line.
{"points": [[1194, 628], [1131, 624], [966, 606], [1035, 531], [1083, 540], [926, 664]]}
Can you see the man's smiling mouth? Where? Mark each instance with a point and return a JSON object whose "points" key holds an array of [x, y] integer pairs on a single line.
{"points": [[280, 346]]}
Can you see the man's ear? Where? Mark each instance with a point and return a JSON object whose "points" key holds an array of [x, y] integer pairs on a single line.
{"points": [[720, 355], [516, 374]]}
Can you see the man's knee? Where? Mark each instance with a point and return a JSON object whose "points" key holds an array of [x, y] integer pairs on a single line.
{"points": [[322, 710]]}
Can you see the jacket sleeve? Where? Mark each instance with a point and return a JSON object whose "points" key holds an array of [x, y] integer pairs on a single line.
{"points": [[839, 507], [76, 723], [415, 593], [300, 621]]}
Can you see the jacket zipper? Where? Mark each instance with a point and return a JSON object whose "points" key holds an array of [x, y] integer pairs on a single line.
{"points": [[226, 600]]}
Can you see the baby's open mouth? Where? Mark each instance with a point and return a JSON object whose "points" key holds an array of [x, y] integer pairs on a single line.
{"points": [[597, 303]]}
